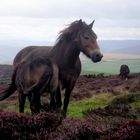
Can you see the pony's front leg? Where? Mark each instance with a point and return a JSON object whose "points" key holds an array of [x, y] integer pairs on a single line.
{"points": [[66, 101], [22, 98]]}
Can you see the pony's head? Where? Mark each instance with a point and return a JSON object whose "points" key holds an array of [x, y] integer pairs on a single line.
{"points": [[84, 37], [86, 40]]}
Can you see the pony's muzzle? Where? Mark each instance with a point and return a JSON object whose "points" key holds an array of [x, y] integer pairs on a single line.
{"points": [[96, 57]]}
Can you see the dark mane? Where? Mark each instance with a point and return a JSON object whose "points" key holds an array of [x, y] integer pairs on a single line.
{"points": [[70, 33]]}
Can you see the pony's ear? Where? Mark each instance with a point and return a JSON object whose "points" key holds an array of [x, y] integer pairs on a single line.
{"points": [[91, 24], [80, 22]]}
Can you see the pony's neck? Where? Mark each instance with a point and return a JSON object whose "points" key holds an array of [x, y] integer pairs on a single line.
{"points": [[65, 54]]}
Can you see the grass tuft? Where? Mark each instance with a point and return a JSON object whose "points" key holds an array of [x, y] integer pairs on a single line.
{"points": [[77, 107]]}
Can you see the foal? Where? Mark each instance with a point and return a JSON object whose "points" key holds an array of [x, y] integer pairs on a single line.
{"points": [[32, 79]]}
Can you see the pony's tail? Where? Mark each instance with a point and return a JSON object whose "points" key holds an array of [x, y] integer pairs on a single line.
{"points": [[11, 89]]}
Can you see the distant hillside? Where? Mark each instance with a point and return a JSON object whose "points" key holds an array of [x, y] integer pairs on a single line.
{"points": [[9, 48], [120, 46], [128, 49]]}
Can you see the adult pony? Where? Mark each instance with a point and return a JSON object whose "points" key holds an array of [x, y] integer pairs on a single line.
{"points": [[124, 71], [77, 37]]}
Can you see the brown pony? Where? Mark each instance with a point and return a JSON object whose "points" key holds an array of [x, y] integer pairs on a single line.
{"points": [[124, 71], [31, 79], [78, 37]]}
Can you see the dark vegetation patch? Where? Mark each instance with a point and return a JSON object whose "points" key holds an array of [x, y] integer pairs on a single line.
{"points": [[127, 131], [44, 126], [21, 126]]}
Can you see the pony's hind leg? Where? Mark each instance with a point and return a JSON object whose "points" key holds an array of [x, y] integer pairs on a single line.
{"points": [[22, 98]]}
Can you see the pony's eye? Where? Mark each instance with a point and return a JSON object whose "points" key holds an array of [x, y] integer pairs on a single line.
{"points": [[86, 37]]}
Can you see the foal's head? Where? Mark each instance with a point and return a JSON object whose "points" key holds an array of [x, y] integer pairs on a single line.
{"points": [[84, 38]]}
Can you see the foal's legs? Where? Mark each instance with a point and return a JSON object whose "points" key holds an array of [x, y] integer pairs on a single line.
{"points": [[53, 101], [54, 87], [22, 98], [58, 99], [35, 103]]}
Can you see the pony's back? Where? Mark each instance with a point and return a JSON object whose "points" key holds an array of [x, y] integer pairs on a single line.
{"points": [[30, 73]]}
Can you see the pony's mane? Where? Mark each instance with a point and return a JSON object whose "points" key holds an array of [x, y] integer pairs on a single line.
{"points": [[71, 31]]}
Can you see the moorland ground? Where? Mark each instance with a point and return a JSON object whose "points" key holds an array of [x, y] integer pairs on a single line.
{"points": [[101, 107]]}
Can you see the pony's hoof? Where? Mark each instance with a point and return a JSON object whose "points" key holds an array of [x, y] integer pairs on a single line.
{"points": [[64, 115]]}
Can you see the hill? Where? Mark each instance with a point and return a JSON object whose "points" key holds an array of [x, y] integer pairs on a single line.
{"points": [[120, 46], [112, 49]]}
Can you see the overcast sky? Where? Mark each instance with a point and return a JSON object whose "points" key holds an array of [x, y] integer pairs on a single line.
{"points": [[42, 19]]}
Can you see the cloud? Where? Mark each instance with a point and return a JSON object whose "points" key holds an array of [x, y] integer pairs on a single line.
{"points": [[40, 29], [23, 28], [29, 28], [113, 9], [43, 19]]}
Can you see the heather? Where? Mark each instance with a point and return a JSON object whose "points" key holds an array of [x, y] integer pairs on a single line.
{"points": [[117, 120]]}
